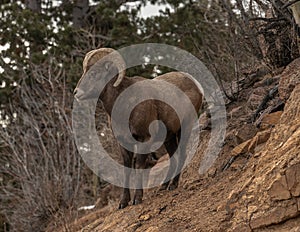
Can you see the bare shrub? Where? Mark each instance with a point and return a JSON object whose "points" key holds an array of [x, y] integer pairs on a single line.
{"points": [[267, 27], [44, 177]]}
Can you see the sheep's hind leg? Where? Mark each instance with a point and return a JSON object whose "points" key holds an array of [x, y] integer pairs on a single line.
{"points": [[180, 163], [181, 157], [127, 157]]}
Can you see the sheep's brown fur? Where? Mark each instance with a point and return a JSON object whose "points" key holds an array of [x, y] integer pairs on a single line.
{"points": [[143, 114]]}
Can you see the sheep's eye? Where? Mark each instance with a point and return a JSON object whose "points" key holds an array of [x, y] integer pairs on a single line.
{"points": [[107, 65]]}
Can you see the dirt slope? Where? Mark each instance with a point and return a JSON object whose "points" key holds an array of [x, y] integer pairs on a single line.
{"points": [[253, 186]]}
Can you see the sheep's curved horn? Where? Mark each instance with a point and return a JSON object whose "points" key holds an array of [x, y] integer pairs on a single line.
{"points": [[93, 56]]}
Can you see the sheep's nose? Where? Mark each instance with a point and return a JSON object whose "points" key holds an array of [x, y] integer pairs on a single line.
{"points": [[78, 93]]}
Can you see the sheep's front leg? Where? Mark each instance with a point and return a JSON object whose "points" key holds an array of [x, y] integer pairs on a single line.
{"points": [[127, 157], [171, 147], [140, 165]]}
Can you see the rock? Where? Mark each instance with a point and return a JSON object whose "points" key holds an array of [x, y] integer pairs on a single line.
{"points": [[236, 112], [133, 227], [270, 120], [152, 229], [251, 144], [295, 229], [293, 179], [256, 98], [241, 148], [279, 189], [257, 149], [242, 227], [298, 204], [145, 217], [260, 137], [221, 207], [251, 210], [275, 215], [289, 79], [245, 132], [211, 172]]}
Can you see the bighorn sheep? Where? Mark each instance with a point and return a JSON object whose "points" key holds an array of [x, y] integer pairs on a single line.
{"points": [[96, 68]]}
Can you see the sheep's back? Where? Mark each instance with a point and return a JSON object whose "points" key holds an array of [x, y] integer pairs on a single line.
{"points": [[181, 80]]}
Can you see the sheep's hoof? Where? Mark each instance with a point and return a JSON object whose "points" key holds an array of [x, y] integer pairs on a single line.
{"points": [[122, 205], [172, 186], [137, 201], [164, 186]]}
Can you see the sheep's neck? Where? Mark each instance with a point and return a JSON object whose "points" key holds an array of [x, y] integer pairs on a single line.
{"points": [[110, 93]]}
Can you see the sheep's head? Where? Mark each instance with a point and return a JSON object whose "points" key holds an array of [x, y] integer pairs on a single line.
{"points": [[98, 65]]}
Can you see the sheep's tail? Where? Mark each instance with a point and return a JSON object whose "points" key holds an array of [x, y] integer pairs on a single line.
{"points": [[195, 81]]}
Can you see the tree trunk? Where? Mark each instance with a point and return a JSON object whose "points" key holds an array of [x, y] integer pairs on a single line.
{"points": [[34, 5], [80, 9]]}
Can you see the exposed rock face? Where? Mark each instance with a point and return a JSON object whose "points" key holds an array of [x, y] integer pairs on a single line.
{"points": [[289, 79], [276, 215], [279, 189], [272, 194], [293, 180]]}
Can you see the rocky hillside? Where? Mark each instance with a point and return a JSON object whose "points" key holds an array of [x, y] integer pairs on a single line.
{"points": [[253, 186]]}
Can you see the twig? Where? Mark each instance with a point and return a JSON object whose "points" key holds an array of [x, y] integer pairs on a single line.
{"points": [[267, 19]]}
